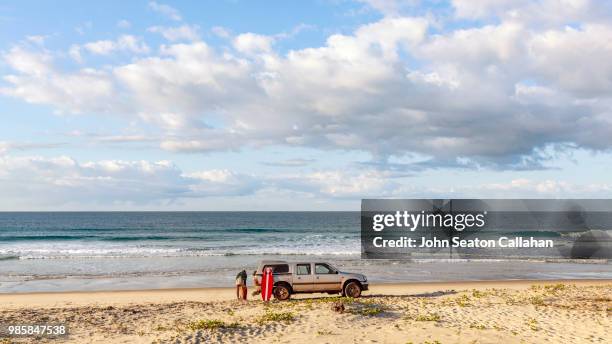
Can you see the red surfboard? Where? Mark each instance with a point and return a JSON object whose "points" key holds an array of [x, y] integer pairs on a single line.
{"points": [[267, 284]]}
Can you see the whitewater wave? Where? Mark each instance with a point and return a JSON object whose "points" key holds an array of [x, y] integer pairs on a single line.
{"points": [[166, 252]]}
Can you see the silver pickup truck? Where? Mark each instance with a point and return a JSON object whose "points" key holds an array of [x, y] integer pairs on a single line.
{"points": [[310, 277]]}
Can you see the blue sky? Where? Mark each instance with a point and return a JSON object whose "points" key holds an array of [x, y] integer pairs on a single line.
{"points": [[277, 105]]}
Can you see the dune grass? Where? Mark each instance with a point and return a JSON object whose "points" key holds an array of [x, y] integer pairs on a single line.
{"points": [[213, 324], [271, 316]]}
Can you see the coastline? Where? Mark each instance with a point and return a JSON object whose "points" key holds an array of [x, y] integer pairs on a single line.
{"points": [[462, 311]]}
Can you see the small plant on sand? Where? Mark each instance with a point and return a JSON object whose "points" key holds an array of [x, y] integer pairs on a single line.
{"points": [[270, 316], [478, 294], [371, 311], [532, 323], [324, 333], [478, 326], [210, 325], [536, 300], [554, 288], [428, 317], [432, 342], [463, 301]]}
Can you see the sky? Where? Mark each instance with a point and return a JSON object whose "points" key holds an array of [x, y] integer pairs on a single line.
{"points": [[301, 105]]}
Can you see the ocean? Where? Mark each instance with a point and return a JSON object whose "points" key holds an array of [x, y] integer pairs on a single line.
{"points": [[60, 251]]}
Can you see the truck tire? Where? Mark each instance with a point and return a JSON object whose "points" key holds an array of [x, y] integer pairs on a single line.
{"points": [[281, 292], [352, 289]]}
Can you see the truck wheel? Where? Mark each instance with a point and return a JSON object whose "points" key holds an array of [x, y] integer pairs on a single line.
{"points": [[352, 289], [281, 292]]}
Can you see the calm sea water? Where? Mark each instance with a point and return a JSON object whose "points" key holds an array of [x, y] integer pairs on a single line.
{"points": [[124, 250]]}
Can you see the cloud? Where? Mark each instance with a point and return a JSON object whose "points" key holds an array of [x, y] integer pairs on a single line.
{"points": [[39, 82], [6, 147], [37, 39], [38, 181], [502, 94], [61, 182], [221, 32], [389, 7], [166, 10], [544, 188], [341, 184], [537, 13], [290, 162], [251, 43], [124, 24], [123, 43], [75, 53], [101, 47], [184, 32]]}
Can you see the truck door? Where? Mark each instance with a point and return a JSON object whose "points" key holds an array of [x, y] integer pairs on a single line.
{"points": [[326, 278], [303, 278]]}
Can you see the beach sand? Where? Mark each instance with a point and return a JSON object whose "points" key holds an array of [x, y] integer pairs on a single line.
{"points": [[460, 312]]}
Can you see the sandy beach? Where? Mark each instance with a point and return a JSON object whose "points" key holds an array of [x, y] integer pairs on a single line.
{"points": [[577, 311]]}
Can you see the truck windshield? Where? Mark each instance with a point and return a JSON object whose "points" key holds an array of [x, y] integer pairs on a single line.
{"points": [[323, 269]]}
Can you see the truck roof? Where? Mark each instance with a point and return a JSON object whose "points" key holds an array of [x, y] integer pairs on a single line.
{"points": [[268, 262], [273, 262]]}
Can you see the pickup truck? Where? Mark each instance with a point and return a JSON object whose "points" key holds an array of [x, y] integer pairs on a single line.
{"points": [[310, 277]]}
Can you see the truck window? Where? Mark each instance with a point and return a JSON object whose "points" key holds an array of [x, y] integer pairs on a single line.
{"points": [[323, 269], [303, 269], [277, 269]]}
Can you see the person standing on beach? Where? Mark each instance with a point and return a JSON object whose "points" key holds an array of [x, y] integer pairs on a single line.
{"points": [[256, 284], [241, 280]]}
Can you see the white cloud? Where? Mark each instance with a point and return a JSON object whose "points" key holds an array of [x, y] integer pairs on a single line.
{"points": [[389, 7], [577, 60], [184, 32], [123, 43], [35, 182], [40, 82], [251, 43], [38, 181], [544, 188], [392, 87], [103, 47], [75, 53], [28, 63], [298, 162], [341, 184], [37, 39], [537, 13], [124, 24], [4, 147], [132, 44], [483, 8], [166, 10], [221, 32]]}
